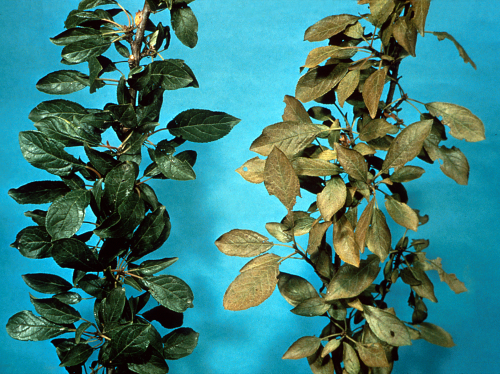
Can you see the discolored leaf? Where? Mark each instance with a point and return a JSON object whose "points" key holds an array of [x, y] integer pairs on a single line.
{"points": [[47, 154], [280, 232], [451, 279], [353, 163], [444, 35], [380, 10], [316, 236], [332, 198], [350, 281], [74, 254], [289, 137], [462, 122], [374, 129], [170, 291], [55, 311], [328, 27], [295, 289], [320, 364], [314, 167], [318, 55], [312, 307], [425, 289], [295, 111], [350, 358], [243, 243], [387, 327], [372, 355], [65, 216], [252, 170], [254, 285], [406, 174], [26, 326], [303, 347], [401, 213], [319, 81], [344, 242], [407, 145], [201, 126], [180, 343], [420, 8], [405, 33], [363, 225], [435, 335], [33, 242], [347, 86], [47, 283], [280, 178], [372, 90], [455, 164], [331, 346], [378, 239], [63, 82]]}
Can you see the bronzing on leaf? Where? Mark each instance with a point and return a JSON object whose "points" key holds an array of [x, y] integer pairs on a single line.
{"points": [[243, 243]]}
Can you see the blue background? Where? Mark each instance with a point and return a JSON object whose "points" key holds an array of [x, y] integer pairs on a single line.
{"points": [[247, 59]]}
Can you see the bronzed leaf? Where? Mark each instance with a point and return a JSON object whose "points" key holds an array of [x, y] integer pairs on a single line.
{"points": [[405, 33], [314, 167], [372, 355], [462, 122], [386, 326], [406, 174], [295, 289], [62, 82], [435, 335], [318, 55], [350, 281], [180, 343], [243, 243], [280, 178], [451, 280], [378, 239], [295, 111], [47, 283], [201, 126], [421, 8], [407, 145], [380, 11], [26, 326], [254, 285], [425, 288], [353, 163], [363, 225], [303, 347], [376, 128], [332, 198], [347, 86], [328, 27], [344, 242], [312, 307], [350, 358], [401, 213], [444, 35], [372, 90], [252, 170], [319, 81]]}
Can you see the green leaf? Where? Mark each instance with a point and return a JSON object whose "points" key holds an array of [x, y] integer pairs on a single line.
{"points": [[37, 215], [401, 213], [328, 27], [113, 305], [57, 108], [146, 238], [314, 167], [378, 239], [47, 283], [174, 168], [168, 74], [118, 185], [125, 114], [79, 17], [243, 243], [332, 198], [312, 307], [89, 4], [101, 161], [254, 285], [26, 326], [185, 25], [406, 174], [407, 145], [462, 122], [201, 126], [68, 297], [386, 326], [303, 347], [44, 153], [350, 281], [352, 161], [85, 49], [435, 335], [67, 132], [444, 35], [33, 242], [280, 179], [77, 355], [295, 289], [319, 81], [63, 82], [74, 254], [289, 137], [372, 90], [179, 343], [171, 292], [151, 267], [65, 216], [74, 35], [55, 311], [129, 343]]}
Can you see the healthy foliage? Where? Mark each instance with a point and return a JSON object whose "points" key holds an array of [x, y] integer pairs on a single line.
{"points": [[355, 166], [103, 217]]}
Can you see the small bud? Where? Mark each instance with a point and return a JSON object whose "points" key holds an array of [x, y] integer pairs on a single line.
{"points": [[131, 57], [138, 18]]}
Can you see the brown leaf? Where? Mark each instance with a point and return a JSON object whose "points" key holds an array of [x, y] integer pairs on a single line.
{"points": [[254, 285], [352, 161], [350, 358], [295, 289], [372, 355], [331, 346], [435, 335], [376, 128], [421, 8], [332, 198], [462, 122], [405, 33], [401, 213], [328, 27], [320, 54], [344, 243], [295, 111], [320, 364], [243, 243], [303, 347], [252, 170], [426, 288], [455, 164], [316, 236], [407, 173], [280, 179], [372, 90], [378, 239], [444, 35], [347, 86], [387, 327], [314, 167], [451, 280], [407, 145], [380, 10], [319, 81], [363, 225], [289, 137], [350, 281]]}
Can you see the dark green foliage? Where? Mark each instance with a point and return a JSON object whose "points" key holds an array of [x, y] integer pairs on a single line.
{"points": [[352, 164], [106, 255]]}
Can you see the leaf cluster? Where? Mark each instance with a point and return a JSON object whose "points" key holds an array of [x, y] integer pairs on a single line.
{"points": [[350, 163], [106, 253]]}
